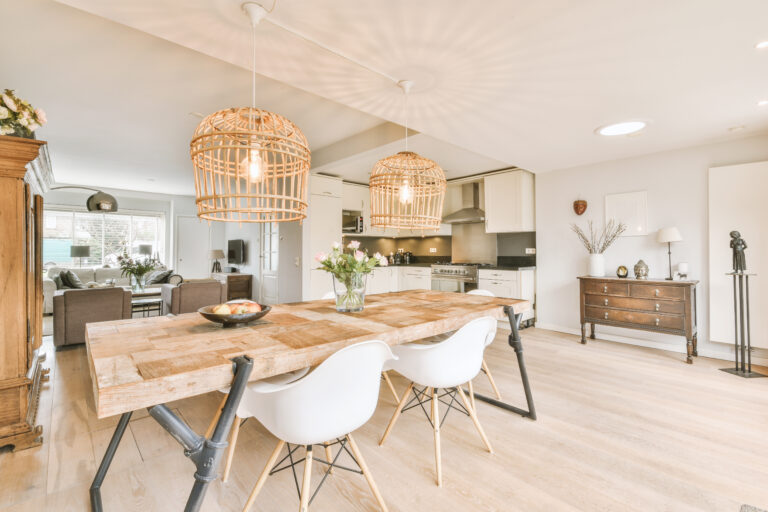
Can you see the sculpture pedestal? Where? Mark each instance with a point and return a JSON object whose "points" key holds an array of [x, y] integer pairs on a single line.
{"points": [[742, 343]]}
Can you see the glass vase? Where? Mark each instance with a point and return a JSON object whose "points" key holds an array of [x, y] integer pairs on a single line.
{"points": [[350, 293], [138, 283]]}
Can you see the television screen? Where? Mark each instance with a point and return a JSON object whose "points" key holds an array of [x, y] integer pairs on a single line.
{"points": [[236, 251]]}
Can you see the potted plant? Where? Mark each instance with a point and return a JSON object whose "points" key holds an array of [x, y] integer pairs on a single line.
{"points": [[349, 267], [137, 269], [17, 117], [597, 242]]}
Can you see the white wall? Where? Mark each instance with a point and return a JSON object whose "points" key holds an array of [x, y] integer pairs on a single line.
{"points": [[677, 187]]}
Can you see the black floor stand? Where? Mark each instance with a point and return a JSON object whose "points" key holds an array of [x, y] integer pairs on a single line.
{"points": [[516, 343], [742, 340], [204, 453]]}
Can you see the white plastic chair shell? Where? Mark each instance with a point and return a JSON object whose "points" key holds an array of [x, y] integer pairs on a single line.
{"points": [[336, 398], [449, 363]]}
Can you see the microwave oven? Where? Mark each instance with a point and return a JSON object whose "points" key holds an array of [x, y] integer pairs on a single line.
{"points": [[351, 221]]}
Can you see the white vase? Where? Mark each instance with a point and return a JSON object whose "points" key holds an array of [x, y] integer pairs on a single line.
{"points": [[596, 265]]}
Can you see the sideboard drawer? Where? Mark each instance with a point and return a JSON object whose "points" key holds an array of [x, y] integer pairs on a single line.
{"points": [[668, 322], [606, 288], [657, 292], [662, 306]]}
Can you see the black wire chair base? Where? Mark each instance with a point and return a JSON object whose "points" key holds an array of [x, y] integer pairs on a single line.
{"points": [[291, 463], [421, 398]]}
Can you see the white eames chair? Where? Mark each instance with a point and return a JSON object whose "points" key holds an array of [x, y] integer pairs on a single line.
{"points": [[491, 336], [322, 408], [332, 295], [446, 365]]}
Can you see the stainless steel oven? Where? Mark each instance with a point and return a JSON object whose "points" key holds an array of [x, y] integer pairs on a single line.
{"points": [[452, 277], [351, 221]]}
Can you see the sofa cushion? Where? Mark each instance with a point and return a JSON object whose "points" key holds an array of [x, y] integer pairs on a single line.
{"points": [[85, 274], [58, 281], [159, 276], [69, 278]]}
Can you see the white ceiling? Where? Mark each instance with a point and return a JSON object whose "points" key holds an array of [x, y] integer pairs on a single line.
{"points": [[521, 82]]}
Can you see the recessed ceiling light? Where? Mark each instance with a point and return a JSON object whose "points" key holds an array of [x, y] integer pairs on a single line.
{"points": [[762, 103], [623, 128], [737, 128], [761, 45]]}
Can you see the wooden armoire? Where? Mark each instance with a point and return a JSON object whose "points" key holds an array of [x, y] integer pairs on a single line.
{"points": [[25, 173]]}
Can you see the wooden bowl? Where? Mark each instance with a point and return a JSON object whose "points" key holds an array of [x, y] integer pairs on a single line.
{"points": [[232, 320]]}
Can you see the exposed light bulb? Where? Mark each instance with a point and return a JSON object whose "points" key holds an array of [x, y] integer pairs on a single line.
{"points": [[406, 193], [252, 165]]}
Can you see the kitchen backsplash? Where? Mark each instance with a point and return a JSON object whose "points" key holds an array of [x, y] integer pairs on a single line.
{"points": [[514, 244], [420, 247]]}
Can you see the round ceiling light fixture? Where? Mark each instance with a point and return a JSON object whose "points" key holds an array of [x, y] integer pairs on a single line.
{"points": [[622, 128], [762, 103], [762, 45]]}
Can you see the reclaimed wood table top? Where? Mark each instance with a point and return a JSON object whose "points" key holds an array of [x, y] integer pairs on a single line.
{"points": [[142, 362]]}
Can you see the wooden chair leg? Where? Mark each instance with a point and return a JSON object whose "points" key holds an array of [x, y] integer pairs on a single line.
{"points": [[264, 475], [305, 481], [366, 473], [399, 409], [436, 427], [471, 394], [231, 448], [329, 457], [490, 379], [216, 417], [473, 415], [391, 387]]}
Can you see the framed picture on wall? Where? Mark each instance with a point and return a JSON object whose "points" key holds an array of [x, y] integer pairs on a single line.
{"points": [[631, 208]]}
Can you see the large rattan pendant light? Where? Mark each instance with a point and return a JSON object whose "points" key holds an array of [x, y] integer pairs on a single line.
{"points": [[251, 165], [407, 190]]}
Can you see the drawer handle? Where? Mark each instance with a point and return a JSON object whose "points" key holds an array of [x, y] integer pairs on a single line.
{"points": [[657, 292], [606, 315], [657, 307], [605, 289], [657, 322], [606, 302]]}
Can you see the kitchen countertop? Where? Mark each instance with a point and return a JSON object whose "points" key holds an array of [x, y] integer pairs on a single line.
{"points": [[492, 267], [496, 267]]}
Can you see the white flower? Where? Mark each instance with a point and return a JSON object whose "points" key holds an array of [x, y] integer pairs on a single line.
{"points": [[336, 245], [9, 102], [23, 121], [359, 255], [321, 256], [377, 255], [33, 126], [5, 129], [354, 244], [383, 261], [4, 113], [41, 117]]}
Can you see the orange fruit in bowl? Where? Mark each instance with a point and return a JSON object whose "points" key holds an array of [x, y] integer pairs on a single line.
{"points": [[222, 309]]}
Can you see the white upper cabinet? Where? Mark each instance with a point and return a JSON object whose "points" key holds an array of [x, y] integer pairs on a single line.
{"points": [[320, 229], [509, 202]]}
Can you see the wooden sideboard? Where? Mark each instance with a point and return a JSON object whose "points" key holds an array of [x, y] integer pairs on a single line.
{"points": [[25, 173], [239, 286], [651, 305]]}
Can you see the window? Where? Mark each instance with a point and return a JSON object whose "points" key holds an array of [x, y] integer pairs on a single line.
{"points": [[107, 235]]}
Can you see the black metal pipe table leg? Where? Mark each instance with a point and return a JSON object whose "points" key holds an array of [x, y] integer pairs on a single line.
{"points": [[204, 453], [516, 343], [96, 505]]}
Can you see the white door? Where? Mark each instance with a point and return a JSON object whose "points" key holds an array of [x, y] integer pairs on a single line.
{"points": [[269, 257], [192, 248]]}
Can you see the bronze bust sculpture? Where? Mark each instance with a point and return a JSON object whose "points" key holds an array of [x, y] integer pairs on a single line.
{"points": [[738, 245]]}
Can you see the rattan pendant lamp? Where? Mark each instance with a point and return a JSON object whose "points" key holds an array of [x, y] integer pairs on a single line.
{"points": [[251, 165], [407, 190]]}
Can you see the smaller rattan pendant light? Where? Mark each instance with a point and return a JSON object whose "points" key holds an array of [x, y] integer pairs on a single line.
{"points": [[251, 165], [407, 190]]}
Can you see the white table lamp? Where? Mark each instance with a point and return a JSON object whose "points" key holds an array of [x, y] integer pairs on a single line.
{"points": [[667, 236]]}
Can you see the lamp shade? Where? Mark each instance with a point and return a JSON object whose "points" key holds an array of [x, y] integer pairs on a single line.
{"points": [[145, 249], [79, 251], [101, 202], [668, 235], [217, 254]]}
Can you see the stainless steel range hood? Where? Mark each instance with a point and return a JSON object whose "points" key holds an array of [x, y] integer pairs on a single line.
{"points": [[471, 213]]}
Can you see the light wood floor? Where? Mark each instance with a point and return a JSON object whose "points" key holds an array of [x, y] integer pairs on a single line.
{"points": [[620, 428]]}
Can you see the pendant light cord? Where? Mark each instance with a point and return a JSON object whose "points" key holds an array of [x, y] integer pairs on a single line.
{"points": [[405, 103]]}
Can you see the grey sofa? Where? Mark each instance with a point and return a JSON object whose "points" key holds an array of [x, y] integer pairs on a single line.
{"points": [[190, 296], [72, 309]]}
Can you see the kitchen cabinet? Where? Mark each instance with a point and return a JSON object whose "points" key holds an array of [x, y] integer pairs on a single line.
{"points": [[414, 278], [512, 284], [509, 202], [380, 280], [320, 230]]}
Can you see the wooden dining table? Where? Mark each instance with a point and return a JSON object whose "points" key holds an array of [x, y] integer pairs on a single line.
{"points": [[148, 362]]}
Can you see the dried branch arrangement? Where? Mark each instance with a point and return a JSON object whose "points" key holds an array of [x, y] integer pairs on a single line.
{"points": [[597, 242]]}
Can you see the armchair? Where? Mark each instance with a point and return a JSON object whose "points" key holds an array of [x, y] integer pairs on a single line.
{"points": [[190, 296], [72, 309]]}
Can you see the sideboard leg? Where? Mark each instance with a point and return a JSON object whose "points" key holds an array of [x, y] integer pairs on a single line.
{"points": [[591, 331], [689, 350], [695, 345], [584, 334]]}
